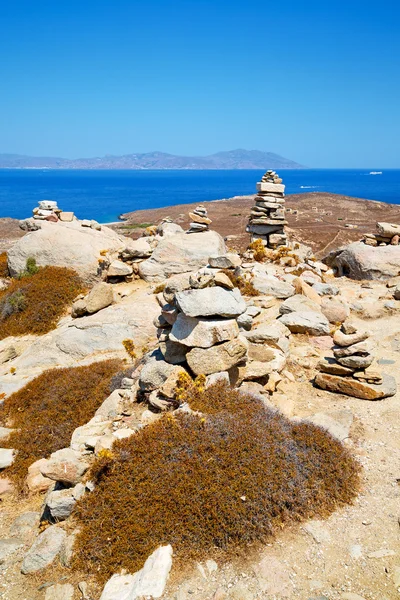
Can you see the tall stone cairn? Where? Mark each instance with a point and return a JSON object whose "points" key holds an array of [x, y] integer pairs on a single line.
{"points": [[267, 218]]}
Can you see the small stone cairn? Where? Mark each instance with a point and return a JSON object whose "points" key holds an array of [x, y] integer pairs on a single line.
{"points": [[199, 220], [349, 371], [49, 211], [267, 218], [387, 234]]}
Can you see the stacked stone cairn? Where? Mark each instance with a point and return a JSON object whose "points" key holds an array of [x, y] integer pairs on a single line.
{"points": [[349, 371], [199, 220], [267, 218], [49, 211], [205, 328], [387, 234]]}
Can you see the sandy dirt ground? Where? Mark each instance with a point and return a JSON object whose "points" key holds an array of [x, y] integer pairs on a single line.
{"points": [[320, 221], [355, 551]]}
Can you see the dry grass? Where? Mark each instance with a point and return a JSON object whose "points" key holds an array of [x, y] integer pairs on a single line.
{"points": [[260, 253], [209, 484], [3, 265], [246, 287], [46, 411], [34, 304]]}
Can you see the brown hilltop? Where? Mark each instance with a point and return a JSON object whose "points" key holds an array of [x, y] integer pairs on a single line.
{"points": [[320, 221]]}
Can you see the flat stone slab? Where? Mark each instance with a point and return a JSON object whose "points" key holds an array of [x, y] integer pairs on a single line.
{"points": [[203, 332], [209, 302], [313, 323], [355, 388]]}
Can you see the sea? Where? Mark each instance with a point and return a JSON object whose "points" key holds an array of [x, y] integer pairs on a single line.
{"points": [[105, 195]]}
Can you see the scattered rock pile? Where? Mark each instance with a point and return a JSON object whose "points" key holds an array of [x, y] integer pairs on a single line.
{"points": [[267, 218], [387, 234], [199, 220], [349, 371]]}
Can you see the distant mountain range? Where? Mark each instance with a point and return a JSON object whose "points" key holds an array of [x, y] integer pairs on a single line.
{"points": [[233, 159]]}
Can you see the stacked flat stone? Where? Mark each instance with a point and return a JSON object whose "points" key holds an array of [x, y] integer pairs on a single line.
{"points": [[46, 211], [267, 218], [350, 372], [49, 211], [387, 234], [199, 220], [198, 334]]}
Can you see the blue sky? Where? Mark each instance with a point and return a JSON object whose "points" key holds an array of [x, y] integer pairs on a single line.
{"points": [[315, 81]]}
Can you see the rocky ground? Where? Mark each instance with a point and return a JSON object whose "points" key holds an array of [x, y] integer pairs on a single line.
{"points": [[352, 555], [320, 221], [9, 233]]}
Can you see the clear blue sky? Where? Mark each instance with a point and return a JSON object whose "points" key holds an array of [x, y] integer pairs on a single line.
{"points": [[317, 81]]}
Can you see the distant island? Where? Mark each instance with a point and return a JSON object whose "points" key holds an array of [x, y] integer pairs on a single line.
{"points": [[232, 159]]}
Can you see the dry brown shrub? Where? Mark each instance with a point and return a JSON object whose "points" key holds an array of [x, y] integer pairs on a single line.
{"points": [[246, 287], [35, 304], [210, 483], [260, 253], [48, 409], [3, 265]]}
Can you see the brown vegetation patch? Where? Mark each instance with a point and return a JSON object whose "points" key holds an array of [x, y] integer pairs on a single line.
{"points": [[34, 303], [246, 287], [209, 483], [47, 410], [4, 265]]}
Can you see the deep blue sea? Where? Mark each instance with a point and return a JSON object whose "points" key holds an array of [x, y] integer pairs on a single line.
{"points": [[104, 195]]}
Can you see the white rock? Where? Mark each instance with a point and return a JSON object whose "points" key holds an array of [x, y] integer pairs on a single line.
{"points": [[119, 269], [7, 457], [221, 357], [149, 581], [298, 303], [99, 297], [310, 322], [225, 261], [65, 245], [44, 550], [203, 332], [272, 286], [181, 253], [208, 302], [60, 592]]}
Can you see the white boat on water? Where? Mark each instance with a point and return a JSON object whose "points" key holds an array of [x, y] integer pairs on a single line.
{"points": [[375, 173]]}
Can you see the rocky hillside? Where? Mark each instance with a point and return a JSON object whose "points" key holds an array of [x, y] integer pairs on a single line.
{"points": [[232, 159], [182, 420]]}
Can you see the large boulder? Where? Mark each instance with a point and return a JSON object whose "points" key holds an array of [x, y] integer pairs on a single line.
{"points": [[65, 245], [181, 253], [360, 261]]}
